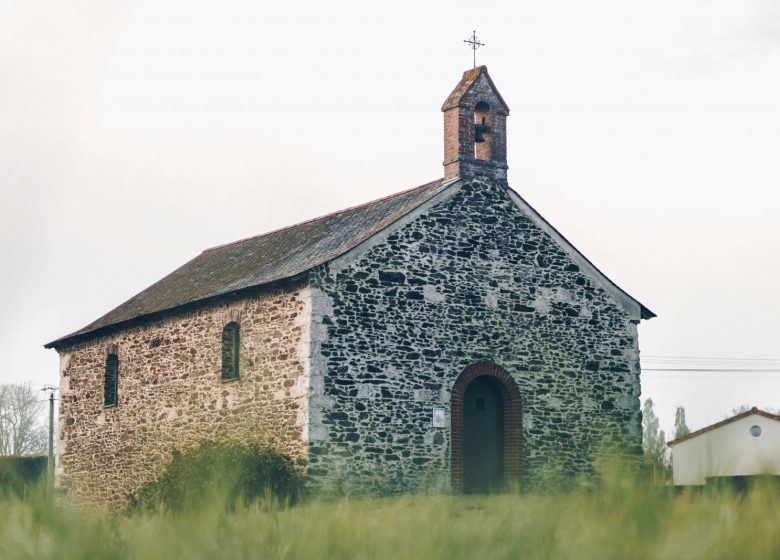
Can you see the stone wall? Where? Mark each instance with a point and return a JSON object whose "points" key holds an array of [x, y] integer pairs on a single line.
{"points": [[471, 279], [171, 394]]}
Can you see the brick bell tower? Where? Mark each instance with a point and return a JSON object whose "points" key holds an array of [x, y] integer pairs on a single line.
{"points": [[475, 128]]}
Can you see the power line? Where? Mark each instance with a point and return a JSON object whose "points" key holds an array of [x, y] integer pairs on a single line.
{"points": [[711, 358], [692, 367], [716, 370], [710, 377], [753, 363]]}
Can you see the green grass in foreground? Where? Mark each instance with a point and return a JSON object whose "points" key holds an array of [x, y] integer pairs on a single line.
{"points": [[620, 520]]}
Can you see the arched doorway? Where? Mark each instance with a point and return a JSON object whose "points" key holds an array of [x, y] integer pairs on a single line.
{"points": [[486, 429], [483, 436]]}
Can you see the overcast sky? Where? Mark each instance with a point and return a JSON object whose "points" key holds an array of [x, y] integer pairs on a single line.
{"points": [[135, 134]]}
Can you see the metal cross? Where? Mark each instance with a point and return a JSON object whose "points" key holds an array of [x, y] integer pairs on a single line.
{"points": [[474, 44]]}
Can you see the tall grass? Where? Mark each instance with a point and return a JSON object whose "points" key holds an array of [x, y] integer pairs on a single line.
{"points": [[623, 518]]}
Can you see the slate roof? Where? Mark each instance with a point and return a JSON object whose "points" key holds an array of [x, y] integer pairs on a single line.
{"points": [[711, 427], [273, 257], [264, 259]]}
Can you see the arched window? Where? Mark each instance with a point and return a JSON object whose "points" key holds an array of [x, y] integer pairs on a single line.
{"points": [[230, 345], [111, 379], [482, 133]]}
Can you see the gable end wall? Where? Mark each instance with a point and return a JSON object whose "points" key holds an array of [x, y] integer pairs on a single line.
{"points": [[470, 279]]}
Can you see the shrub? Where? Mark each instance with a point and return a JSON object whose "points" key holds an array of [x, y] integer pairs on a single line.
{"points": [[20, 474], [227, 472]]}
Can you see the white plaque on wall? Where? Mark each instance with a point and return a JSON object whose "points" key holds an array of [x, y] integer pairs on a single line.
{"points": [[439, 417]]}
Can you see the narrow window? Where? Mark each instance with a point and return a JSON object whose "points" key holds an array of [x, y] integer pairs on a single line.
{"points": [[111, 380], [230, 343], [482, 133]]}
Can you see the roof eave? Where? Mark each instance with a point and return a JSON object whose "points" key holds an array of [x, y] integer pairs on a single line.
{"points": [[77, 337], [631, 304], [87, 333]]}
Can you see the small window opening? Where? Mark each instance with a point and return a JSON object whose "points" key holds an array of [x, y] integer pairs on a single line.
{"points": [[230, 344], [111, 380], [482, 132], [755, 431]]}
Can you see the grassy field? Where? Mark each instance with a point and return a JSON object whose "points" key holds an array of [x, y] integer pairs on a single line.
{"points": [[620, 520]]}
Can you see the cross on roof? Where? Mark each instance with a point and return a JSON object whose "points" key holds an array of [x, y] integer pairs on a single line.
{"points": [[474, 43]]}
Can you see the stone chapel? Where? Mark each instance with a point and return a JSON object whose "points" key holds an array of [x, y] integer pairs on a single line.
{"points": [[444, 337]]}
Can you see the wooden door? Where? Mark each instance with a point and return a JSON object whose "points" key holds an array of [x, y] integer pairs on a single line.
{"points": [[483, 436]]}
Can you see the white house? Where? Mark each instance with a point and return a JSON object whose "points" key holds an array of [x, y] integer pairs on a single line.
{"points": [[743, 445]]}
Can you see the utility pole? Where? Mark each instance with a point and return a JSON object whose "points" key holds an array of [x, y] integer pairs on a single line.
{"points": [[50, 463]]}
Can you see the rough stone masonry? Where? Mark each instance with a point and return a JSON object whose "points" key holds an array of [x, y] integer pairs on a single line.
{"points": [[171, 395], [354, 328], [472, 279]]}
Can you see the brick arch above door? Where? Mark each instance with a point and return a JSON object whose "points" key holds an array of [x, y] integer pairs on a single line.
{"points": [[513, 419]]}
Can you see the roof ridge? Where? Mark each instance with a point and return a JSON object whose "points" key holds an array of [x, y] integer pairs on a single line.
{"points": [[740, 416], [324, 216]]}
